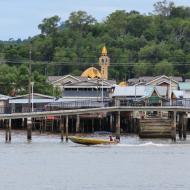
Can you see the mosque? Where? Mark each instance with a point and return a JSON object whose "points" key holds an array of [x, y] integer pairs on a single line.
{"points": [[104, 62], [92, 84]]}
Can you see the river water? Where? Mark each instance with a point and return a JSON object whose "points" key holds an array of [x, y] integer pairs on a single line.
{"points": [[134, 164]]}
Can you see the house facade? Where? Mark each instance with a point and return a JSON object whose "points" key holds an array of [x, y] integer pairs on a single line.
{"points": [[4, 103], [38, 102], [140, 95]]}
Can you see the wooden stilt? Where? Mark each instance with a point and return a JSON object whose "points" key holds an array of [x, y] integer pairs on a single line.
{"points": [[100, 124], [118, 125], [111, 123], [29, 128], [23, 123], [174, 127], [92, 125], [9, 130], [40, 123], [83, 128], [34, 124], [45, 124], [73, 126], [66, 125], [52, 125], [180, 126], [6, 129], [185, 120], [78, 124], [62, 127]]}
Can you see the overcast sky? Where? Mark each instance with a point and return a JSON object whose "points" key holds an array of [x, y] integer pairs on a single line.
{"points": [[20, 18]]}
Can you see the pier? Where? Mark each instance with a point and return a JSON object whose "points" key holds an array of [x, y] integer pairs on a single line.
{"points": [[115, 117]]}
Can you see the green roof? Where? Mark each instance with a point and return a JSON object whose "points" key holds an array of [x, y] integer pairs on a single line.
{"points": [[154, 99], [184, 85]]}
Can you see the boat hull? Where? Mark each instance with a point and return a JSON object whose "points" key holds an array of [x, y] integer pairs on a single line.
{"points": [[90, 141]]}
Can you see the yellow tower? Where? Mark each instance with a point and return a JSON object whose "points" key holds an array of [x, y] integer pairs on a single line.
{"points": [[104, 62]]}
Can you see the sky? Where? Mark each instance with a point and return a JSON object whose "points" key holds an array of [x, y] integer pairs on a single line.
{"points": [[20, 18]]}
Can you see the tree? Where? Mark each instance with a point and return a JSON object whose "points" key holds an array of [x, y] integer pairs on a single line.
{"points": [[49, 25], [140, 42], [7, 79], [154, 52], [180, 12], [141, 69], [117, 23], [163, 8], [164, 68], [137, 24], [80, 20]]}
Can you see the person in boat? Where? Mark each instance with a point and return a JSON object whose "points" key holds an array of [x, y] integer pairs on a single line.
{"points": [[111, 138], [117, 139]]}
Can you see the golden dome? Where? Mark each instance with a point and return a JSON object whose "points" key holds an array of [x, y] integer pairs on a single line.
{"points": [[123, 84], [104, 51], [91, 72]]}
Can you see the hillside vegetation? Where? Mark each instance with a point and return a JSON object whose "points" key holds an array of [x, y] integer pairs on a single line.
{"points": [[137, 44]]}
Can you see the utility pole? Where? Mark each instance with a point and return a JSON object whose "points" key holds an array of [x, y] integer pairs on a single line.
{"points": [[29, 78], [102, 92]]}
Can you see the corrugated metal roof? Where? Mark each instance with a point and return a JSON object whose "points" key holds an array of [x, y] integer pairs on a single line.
{"points": [[178, 93], [184, 85], [25, 101], [35, 96], [145, 91], [129, 91], [186, 94], [147, 79], [3, 97], [71, 99], [148, 90], [53, 79], [162, 90]]}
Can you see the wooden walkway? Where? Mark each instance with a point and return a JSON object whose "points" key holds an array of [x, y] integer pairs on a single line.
{"points": [[64, 115], [94, 110]]}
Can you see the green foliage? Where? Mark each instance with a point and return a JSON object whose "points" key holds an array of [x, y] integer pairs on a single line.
{"points": [[180, 12], [141, 69], [137, 44], [14, 81], [79, 20], [49, 25], [57, 92], [163, 8], [164, 68]]}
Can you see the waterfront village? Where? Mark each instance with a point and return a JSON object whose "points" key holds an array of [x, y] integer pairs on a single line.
{"points": [[94, 90]]}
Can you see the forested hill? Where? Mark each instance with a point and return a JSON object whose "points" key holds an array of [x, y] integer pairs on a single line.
{"points": [[138, 44]]}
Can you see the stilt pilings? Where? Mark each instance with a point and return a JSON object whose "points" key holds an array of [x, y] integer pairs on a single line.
{"points": [[62, 127], [7, 124], [173, 133], [78, 124], [118, 125], [67, 127], [29, 128]]}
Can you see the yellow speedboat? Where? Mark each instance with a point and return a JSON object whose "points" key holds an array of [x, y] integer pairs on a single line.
{"points": [[90, 141]]}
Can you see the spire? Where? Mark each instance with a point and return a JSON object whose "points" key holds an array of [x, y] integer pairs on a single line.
{"points": [[104, 51]]}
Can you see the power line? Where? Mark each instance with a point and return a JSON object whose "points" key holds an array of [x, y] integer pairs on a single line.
{"points": [[92, 63]]}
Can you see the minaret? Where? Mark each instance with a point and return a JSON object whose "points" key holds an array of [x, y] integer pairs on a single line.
{"points": [[104, 62]]}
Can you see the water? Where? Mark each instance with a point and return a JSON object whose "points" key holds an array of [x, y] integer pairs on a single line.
{"points": [[47, 164]]}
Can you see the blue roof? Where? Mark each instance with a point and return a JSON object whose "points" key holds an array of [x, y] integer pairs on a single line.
{"points": [[184, 85], [3, 97]]}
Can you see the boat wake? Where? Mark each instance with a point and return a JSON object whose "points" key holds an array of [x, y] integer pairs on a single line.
{"points": [[147, 144]]}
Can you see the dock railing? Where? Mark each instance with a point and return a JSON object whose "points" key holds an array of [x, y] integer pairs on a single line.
{"points": [[90, 104]]}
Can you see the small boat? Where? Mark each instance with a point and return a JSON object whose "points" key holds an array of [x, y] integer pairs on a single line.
{"points": [[90, 141]]}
